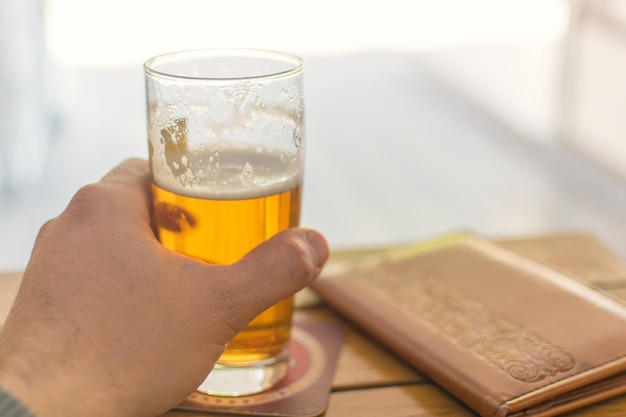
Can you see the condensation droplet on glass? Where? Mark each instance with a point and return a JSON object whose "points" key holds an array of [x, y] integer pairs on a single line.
{"points": [[184, 160]]}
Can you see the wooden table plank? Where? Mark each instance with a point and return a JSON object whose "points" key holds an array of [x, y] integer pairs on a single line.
{"points": [[578, 254], [400, 401]]}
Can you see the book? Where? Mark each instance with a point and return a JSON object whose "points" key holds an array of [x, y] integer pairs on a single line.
{"points": [[503, 332]]}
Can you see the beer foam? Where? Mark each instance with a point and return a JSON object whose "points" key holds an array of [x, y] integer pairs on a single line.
{"points": [[227, 174]]}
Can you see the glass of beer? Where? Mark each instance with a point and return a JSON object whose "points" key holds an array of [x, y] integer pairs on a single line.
{"points": [[226, 143]]}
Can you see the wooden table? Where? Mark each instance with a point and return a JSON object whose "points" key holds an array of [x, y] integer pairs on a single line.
{"points": [[369, 380]]}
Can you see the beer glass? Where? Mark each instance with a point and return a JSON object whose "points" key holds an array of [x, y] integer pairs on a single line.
{"points": [[226, 143]]}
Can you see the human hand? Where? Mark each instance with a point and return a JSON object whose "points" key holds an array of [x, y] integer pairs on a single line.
{"points": [[107, 322]]}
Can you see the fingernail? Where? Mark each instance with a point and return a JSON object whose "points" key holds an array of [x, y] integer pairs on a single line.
{"points": [[320, 247]]}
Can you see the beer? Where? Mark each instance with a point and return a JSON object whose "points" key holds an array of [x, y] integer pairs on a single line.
{"points": [[221, 227]]}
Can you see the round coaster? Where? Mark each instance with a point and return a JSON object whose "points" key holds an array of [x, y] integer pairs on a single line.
{"points": [[306, 363]]}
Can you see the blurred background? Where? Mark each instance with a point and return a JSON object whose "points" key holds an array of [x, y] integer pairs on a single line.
{"points": [[505, 117]]}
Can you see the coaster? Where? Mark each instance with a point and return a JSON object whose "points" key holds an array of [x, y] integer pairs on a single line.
{"points": [[314, 349]]}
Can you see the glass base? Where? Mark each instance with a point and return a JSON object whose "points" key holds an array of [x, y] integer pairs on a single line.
{"points": [[236, 381]]}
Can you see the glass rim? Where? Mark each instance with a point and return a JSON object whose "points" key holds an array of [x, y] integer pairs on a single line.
{"points": [[297, 63]]}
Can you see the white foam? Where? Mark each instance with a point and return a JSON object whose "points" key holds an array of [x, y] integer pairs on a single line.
{"points": [[230, 174]]}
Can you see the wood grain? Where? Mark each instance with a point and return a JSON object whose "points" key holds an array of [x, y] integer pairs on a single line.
{"points": [[400, 401]]}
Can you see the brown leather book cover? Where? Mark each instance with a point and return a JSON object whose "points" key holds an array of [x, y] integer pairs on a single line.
{"points": [[502, 332]]}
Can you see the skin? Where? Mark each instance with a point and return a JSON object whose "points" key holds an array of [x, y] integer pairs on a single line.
{"points": [[107, 322]]}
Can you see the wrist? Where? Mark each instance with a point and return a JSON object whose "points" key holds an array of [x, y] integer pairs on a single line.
{"points": [[47, 381], [48, 394]]}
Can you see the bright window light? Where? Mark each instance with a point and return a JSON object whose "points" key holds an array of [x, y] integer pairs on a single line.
{"points": [[123, 32]]}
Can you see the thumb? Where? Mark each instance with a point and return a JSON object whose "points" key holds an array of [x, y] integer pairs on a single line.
{"points": [[278, 268]]}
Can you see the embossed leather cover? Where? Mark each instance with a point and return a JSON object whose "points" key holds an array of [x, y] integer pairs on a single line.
{"points": [[505, 334]]}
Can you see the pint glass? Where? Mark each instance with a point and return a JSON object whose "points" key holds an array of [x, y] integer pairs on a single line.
{"points": [[226, 143]]}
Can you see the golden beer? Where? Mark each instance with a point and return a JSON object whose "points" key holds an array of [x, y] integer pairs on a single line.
{"points": [[221, 231]]}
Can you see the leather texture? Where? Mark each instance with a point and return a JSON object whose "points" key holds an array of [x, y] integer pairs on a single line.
{"points": [[502, 332]]}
